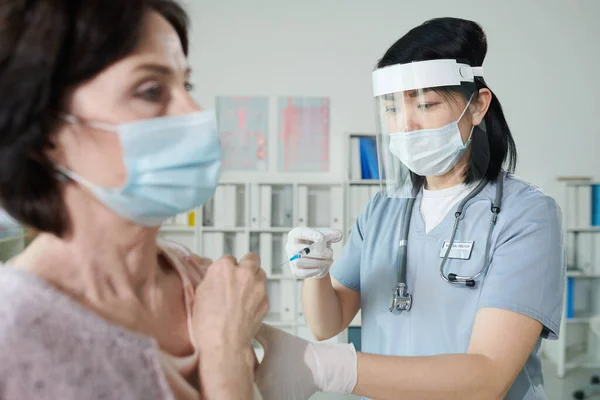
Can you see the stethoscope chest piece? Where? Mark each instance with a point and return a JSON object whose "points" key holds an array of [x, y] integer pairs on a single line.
{"points": [[401, 300]]}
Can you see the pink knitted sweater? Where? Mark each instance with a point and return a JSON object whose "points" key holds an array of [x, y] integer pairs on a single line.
{"points": [[51, 347]]}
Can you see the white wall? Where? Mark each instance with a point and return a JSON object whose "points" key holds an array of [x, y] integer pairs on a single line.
{"points": [[543, 63]]}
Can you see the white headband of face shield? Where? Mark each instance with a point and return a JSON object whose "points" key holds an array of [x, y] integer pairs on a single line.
{"points": [[421, 75]]}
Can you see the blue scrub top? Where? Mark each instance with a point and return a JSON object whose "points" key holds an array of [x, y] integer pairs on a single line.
{"points": [[526, 274]]}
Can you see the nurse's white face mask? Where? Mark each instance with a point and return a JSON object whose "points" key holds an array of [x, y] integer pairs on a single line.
{"points": [[431, 152]]}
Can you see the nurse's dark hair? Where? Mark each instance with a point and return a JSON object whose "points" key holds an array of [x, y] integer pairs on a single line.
{"points": [[465, 41], [47, 48]]}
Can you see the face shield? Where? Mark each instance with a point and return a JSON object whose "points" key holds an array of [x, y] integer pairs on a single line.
{"points": [[425, 124]]}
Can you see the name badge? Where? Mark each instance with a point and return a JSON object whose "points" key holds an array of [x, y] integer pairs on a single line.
{"points": [[459, 250]]}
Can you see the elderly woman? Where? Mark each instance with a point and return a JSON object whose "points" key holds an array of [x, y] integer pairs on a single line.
{"points": [[100, 141]]}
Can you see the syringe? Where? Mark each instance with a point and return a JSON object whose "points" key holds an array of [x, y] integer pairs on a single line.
{"points": [[302, 253]]}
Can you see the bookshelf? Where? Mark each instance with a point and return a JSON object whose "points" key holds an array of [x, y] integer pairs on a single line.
{"points": [[257, 216], [255, 212], [578, 346]]}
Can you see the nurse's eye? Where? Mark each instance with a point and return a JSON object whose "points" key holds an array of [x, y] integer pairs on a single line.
{"points": [[390, 110], [426, 106], [189, 86]]}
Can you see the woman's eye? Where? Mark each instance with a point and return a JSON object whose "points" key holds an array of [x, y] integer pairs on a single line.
{"points": [[153, 94], [189, 86]]}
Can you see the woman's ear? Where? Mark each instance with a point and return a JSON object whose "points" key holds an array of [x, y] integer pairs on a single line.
{"points": [[480, 105]]}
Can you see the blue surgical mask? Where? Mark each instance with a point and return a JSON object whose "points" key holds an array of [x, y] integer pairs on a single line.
{"points": [[431, 152], [173, 166]]}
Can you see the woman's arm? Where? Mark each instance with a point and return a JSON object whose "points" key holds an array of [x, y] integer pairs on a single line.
{"points": [[227, 372], [500, 344], [229, 306]]}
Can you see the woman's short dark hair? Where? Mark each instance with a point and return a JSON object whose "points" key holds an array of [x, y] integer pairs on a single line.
{"points": [[465, 41], [48, 47]]}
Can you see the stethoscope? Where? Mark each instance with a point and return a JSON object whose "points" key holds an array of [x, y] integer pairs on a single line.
{"points": [[402, 300]]}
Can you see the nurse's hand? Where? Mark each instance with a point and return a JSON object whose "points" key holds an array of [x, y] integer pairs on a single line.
{"points": [[294, 369], [318, 262]]}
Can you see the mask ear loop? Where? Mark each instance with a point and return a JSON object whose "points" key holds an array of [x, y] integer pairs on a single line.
{"points": [[96, 125], [468, 142], [63, 174]]}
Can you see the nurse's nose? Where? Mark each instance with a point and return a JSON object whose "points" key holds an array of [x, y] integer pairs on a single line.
{"points": [[412, 121]]}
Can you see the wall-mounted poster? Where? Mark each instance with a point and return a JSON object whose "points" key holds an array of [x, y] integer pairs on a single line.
{"points": [[243, 126], [303, 137]]}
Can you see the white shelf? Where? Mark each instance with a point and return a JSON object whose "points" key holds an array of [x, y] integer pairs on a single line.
{"points": [[582, 183], [577, 346], [255, 215], [271, 230], [364, 182], [357, 135], [579, 318], [582, 274], [177, 228], [588, 229], [581, 359], [222, 229]]}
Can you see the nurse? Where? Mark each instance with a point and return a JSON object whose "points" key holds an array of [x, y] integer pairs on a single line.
{"points": [[457, 265]]}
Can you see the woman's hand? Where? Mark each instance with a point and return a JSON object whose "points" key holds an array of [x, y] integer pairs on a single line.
{"points": [[230, 304]]}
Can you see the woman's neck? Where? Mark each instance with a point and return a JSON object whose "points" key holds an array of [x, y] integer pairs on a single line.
{"points": [[100, 253]]}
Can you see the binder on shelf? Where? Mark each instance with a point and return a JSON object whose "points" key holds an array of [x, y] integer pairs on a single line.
{"points": [[192, 218], [355, 164], [254, 243], [181, 219], [208, 213], [229, 206], [570, 298], [219, 207], [300, 317], [278, 255], [285, 268], [302, 203], [229, 244], [240, 218], [274, 295], [319, 213], [288, 206], [255, 206], [276, 207], [265, 206], [595, 189], [288, 299], [282, 206], [336, 216], [214, 245], [368, 158], [266, 252], [241, 245]]}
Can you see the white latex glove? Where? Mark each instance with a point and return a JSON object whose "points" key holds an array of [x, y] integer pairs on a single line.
{"points": [[318, 262], [295, 369]]}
